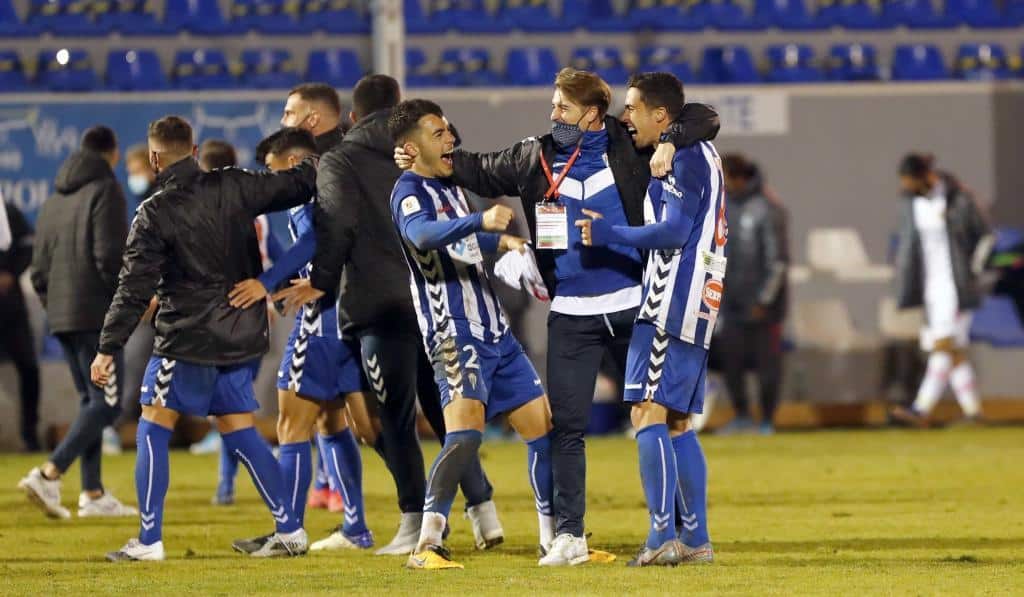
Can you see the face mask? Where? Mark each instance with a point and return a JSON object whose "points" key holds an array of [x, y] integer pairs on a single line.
{"points": [[138, 184], [567, 135]]}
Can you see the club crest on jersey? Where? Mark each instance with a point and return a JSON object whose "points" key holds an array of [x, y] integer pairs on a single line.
{"points": [[410, 205], [712, 294]]}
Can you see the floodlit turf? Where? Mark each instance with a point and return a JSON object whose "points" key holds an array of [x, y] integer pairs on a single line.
{"points": [[821, 513]]}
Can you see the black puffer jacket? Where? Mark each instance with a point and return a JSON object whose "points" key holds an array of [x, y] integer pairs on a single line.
{"points": [[354, 230], [517, 171], [80, 234], [192, 242]]}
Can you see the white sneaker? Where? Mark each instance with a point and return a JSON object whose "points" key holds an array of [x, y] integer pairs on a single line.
{"points": [[487, 531], [135, 551], [566, 550], [406, 538], [105, 505], [339, 540], [284, 545], [44, 493], [210, 444], [111, 442]]}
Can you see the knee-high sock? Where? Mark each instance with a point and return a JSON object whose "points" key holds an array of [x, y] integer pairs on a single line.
{"points": [[659, 477], [460, 447], [934, 382], [152, 474], [255, 454], [322, 478], [346, 465], [538, 463], [962, 380], [296, 464], [227, 471], [693, 488]]}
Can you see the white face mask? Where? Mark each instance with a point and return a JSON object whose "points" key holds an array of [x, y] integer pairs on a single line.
{"points": [[138, 184]]}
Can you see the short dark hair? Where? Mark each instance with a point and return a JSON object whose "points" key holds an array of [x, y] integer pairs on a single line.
{"points": [[285, 140], [319, 92], [217, 153], [173, 131], [405, 118], [375, 92], [737, 165], [916, 165], [660, 90], [100, 139]]}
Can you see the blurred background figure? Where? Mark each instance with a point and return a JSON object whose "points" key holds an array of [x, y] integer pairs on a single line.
{"points": [[944, 244], [215, 154], [749, 333]]}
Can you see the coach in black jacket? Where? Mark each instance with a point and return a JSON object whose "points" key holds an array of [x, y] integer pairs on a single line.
{"points": [[15, 332]]}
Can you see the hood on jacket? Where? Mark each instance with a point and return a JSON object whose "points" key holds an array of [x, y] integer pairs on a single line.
{"points": [[81, 168], [371, 132]]}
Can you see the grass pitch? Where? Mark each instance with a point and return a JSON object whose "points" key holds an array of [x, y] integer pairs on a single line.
{"points": [[888, 512]]}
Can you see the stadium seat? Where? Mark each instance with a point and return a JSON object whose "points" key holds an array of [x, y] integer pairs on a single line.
{"points": [[853, 62], [11, 25], [997, 322], [531, 66], [899, 324], [668, 59], [418, 18], [664, 15], [918, 62], [336, 16], [417, 72], [135, 70], [338, 67], [132, 17], [852, 14], [12, 73], [827, 324], [269, 68], [533, 15], [606, 61], [792, 63], [791, 15], [202, 69], [467, 67], [982, 62], [269, 16], [915, 14], [841, 252], [202, 17], [65, 17], [468, 16], [1015, 12], [601, 15], [728, 64], [980, 14], [727, 15], [65, 70]]}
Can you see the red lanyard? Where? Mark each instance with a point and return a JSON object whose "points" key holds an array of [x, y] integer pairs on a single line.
{"points": [[552, 181]]}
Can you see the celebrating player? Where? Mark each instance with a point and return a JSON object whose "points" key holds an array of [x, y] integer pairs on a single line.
{"points": [[480, 368], [685, 235]]}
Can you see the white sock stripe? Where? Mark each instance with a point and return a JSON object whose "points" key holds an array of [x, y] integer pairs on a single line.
{"points": [[256, 478], [682, 496], [295, 490], [149, 484], [533, 478], [430, 481], [341, 481], [664, 473]]}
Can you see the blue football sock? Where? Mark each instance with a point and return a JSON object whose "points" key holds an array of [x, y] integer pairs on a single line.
{"points": [[255, 454], [227, 471], [693, 483], [658, 474], [322, 478], [152, 474], [296, 463], [538, 461], [460, 447], [346, 465]]}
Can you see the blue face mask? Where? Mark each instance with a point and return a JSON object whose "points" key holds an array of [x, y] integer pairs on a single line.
{"points": [[567, 135], [138, 184]]}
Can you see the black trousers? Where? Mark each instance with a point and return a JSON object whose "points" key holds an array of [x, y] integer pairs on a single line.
{"points": [[99, 408], [16, 339], [398, 370], [743, 346], [576, 346]]}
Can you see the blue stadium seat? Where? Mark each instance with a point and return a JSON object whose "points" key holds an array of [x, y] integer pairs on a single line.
{"points": [[417, 72], [269, 68], [202, 69], [663, 15], [135, 70], [132, 17], [202, 17], [65, 17], [531, 66], [792, 63], [728, 64], [65, 70], [791, 15], [852, 14], [533, 15], [981, 14], [918, 62], [606, 61], [997, 322], [1014, 12], [982, 62], [916, 14], [418, 18], [467, 67], [11, 25], [601, 15], [12, 73], [667, 59], [853, 62], [468, 16], [336, 16], [268, 16], [337, 67], [726, 15]]}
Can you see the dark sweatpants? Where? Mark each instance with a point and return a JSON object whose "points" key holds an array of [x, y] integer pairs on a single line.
{"points": [[16, 339], [756, 344], [576, 346], [99, 408]]}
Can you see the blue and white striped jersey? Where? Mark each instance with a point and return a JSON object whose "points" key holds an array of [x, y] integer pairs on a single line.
{"points": [[683, 287], [452, 295]]}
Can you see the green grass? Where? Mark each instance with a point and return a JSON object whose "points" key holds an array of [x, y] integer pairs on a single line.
{"points": [[811, 513]]}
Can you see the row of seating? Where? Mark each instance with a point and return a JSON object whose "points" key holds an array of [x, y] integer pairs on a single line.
{"points": [[141, 70], [292, 17]]}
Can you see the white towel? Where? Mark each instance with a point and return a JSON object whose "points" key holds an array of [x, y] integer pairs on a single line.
{"points": [[519, 270], [5, 228]]}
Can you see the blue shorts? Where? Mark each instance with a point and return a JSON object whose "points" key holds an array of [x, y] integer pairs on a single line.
{"points": [[320, 367], [666, 370], [200, 390], [498, 374]]}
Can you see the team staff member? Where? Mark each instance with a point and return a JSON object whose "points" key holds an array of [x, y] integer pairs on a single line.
{"points": [[315, 107], [15, 332], [588, 159]]}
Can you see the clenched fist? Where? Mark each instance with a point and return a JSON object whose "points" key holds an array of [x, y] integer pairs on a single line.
{"points": [[498, 218]]}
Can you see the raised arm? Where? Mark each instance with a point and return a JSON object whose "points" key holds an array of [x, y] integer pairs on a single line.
{"points": [[265, 192], [497, 173]]}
